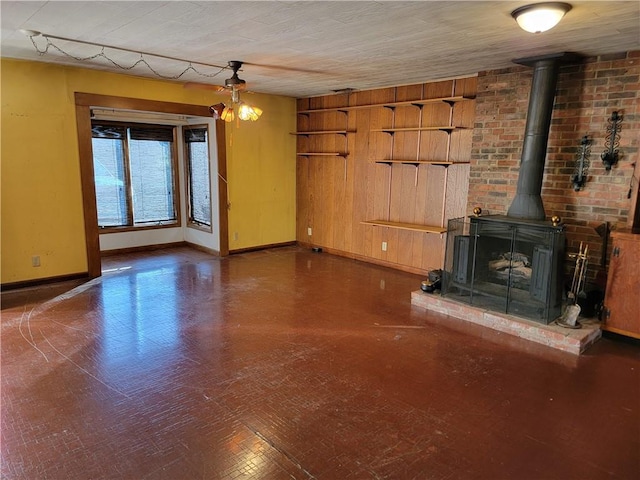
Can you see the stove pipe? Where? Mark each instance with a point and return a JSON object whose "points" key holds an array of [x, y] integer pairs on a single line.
{"points": [[527, 204]]}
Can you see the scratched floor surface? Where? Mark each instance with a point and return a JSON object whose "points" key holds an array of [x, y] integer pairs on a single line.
{"points": [[289, 364]]}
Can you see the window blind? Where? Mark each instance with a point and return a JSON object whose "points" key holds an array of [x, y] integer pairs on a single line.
{"points": [[114, 130], [192, 135], [158, 133]]}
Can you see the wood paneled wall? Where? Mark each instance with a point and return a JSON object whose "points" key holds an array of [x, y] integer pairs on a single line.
{"points": [[336, 193]]}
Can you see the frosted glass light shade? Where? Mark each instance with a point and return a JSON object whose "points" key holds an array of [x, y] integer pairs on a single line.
{"points": [[241, 111], [248, 112], [540, 17], [228, 115]]}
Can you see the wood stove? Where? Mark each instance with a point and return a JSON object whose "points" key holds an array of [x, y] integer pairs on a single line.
{"points": [[514, 263], [506, 265]]}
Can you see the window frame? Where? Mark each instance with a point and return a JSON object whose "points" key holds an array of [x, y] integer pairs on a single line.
{"points": [[84, 102], [191, 223], [175, 171]]}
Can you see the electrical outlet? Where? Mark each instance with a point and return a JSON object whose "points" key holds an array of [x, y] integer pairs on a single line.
{"points": [[35, 261], [384, 246], [309, 231], [235, 236]]}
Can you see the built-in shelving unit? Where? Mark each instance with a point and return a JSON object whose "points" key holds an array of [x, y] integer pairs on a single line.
{"points": [[422, 128], [389, 198], [311, 133], [418, 161]]}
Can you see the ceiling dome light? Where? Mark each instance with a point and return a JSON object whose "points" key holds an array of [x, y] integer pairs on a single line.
{"points": [[540, 17]]}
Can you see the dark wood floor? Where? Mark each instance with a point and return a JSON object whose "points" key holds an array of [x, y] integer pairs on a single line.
{"points": [[289, 364]]}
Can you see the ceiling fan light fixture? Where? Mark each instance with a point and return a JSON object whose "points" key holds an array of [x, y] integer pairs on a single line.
{"points": [[217, 110], [228, 115], [248, 112], [540, 17], [237, 109]]}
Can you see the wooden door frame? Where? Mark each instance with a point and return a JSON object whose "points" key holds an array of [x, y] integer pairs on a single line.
{"points": [[84, 102]]}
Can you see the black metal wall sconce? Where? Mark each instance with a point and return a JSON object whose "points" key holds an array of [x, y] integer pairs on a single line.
{"points": [[579, 177], [612, 141]]}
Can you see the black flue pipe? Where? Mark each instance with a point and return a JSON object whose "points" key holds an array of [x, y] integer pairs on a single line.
{"points": [[527, 203]]}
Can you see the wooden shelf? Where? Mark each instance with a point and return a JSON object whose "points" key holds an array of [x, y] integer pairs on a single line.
{"points": [[406, 226], [391, 131], [332, 109], [420, 103], [321, 154], [323, 132], [449, 100], [444, 163]]}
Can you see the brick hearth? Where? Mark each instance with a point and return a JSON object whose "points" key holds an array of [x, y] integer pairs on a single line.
{"points": [[565, 339]]}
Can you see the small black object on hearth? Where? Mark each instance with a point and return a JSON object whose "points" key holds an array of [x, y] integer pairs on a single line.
{"points": [[433, 281]]}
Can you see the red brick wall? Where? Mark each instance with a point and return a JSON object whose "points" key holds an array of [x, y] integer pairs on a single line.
{"points": [[586, 96]]}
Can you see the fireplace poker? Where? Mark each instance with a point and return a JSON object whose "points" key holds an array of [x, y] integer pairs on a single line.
{"points": [[569, 318], [573, 291], [583, 272]]}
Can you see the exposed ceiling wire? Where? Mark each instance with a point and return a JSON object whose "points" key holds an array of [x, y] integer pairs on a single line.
{"points": [[32, 34]]}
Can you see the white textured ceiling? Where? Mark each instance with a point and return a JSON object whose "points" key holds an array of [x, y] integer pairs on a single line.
{"points": [[319, 46]]}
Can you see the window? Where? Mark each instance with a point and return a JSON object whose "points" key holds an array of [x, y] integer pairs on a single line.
{"points": [[199, 184], [134, 173]]}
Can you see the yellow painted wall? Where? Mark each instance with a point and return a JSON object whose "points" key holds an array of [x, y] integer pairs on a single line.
{"points": [[41, 209], [262, 180]]}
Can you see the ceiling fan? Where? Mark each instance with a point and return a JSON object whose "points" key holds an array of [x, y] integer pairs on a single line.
{"points": [[235, 85], [240, 84]]}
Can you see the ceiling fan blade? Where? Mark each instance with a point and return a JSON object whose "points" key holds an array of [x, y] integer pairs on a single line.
{"points": [[204, 86], [235, 84], [284, 68]]}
